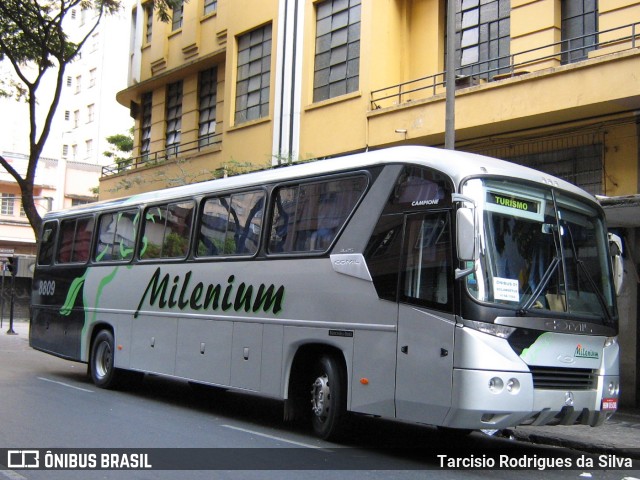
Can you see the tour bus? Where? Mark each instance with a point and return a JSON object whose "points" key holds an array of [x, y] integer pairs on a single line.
{"points": [[410, 283]]}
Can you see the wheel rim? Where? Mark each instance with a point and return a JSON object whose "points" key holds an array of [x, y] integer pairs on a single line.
{"points": [[320, 397], [103, 360]]}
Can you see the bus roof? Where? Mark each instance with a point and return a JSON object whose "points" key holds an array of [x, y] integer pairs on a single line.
{"points": [[456, 164]]}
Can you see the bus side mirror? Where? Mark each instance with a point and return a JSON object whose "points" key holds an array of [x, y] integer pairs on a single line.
{"points": [[615, 246], [466, 239]]}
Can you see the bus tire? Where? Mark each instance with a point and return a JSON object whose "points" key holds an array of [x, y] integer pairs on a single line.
{"points": [[103, 373], [328, 398]]}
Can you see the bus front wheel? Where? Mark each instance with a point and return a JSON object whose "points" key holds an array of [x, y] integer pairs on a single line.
{"points": [[328, 398], [103, 373]]}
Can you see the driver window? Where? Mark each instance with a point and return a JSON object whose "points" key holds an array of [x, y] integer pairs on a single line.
{"points": [[427, 276]]}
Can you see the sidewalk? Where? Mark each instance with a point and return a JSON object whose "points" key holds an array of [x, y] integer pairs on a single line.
{"points": [[620, 435]]}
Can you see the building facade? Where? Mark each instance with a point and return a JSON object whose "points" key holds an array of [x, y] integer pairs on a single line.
{"points": [[551, 84], [87, 114], [69, 168]]}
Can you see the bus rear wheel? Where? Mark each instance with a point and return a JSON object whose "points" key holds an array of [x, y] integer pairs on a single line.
{"points": [[103, 373], [328, 398]]}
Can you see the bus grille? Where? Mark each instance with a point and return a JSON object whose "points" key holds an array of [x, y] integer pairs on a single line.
{"points": [[550, 378]]}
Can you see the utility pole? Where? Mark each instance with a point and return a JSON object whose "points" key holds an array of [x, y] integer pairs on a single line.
{"points": [[450, 79], [12, 265]]}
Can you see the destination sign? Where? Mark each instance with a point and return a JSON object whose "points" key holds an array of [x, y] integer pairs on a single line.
{"points": [[509, 201]]}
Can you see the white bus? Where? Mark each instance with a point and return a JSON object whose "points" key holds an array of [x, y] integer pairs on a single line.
{"points": [[409, 283]]}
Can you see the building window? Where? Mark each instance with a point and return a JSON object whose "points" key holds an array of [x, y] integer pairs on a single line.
{"points": [[210, 6], [579, 28], [92, 77], [89, 147], [90, 113], [65, 151], [176, 18], [74, 151], [69, 81], [174, 117], [254, 75], [207, 106], [145, 129], [148, 32], [8, 201], [482, 36], [67, 115], [78, 83], [76, 118], [337, 62], [95, 42]]}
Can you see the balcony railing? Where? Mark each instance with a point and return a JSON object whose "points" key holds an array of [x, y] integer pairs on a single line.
{"points": [[508, 65], [172, 152]]}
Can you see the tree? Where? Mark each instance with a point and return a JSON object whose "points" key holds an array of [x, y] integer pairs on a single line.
{"points": [[34, 41], [120, 148]]}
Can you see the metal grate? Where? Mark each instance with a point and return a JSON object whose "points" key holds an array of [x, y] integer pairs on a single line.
{"points": [[552, 378], [577, 158]]}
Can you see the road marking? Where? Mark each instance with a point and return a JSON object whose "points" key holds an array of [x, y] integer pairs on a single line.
{"points": [[280, 439], [64, 384], [11, 475]]}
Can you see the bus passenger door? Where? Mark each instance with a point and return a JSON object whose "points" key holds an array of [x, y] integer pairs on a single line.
{"points": [[425, 319]]}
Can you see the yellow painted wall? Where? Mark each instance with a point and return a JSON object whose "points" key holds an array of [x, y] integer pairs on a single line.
{"points": [[401, 40], [621, 160]]}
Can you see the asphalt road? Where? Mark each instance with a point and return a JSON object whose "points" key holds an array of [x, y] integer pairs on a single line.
{"points": [[49, 403]]}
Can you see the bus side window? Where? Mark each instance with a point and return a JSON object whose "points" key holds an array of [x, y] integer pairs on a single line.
{"points": [[308, 217], [213, 227], [47, 243], [65, 248], [104, 243], [383, 255], [231, 225], [82, 243], [75, 240], [116, 236], [125, 236], [167, 231]]}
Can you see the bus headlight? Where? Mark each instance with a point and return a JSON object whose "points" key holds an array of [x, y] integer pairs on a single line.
{"points": [[610, 341], [614, 388], [501, 331]]}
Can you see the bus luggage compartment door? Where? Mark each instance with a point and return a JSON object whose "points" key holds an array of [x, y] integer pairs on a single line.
{"points": [[424, 366]]}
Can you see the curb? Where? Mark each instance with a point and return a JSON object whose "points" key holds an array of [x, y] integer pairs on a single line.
{"points": [[591, 448]]}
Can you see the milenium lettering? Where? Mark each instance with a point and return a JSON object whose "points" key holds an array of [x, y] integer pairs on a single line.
{"points": [[167, 292]]}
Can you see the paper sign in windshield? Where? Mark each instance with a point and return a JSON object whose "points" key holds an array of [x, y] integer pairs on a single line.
{"points": [[506, 289]]}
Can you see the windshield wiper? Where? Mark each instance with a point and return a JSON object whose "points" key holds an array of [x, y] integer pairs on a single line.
{"points": [[581, 266], [523, 308], [594, 286]]}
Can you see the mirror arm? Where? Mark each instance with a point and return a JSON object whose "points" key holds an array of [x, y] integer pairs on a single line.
{"points": [[458, 197], [463, 272]]}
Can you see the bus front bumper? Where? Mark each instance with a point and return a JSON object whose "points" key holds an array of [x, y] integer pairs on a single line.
{"points": [[497, 400]]}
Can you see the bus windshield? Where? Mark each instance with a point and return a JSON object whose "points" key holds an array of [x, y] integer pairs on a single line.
{"points": [[541, 252]]}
